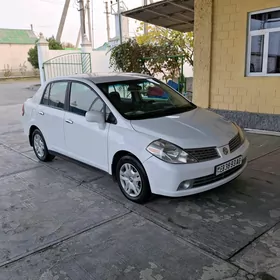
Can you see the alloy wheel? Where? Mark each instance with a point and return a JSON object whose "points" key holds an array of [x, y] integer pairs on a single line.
{"points": [[130, 180], [39, 146]]}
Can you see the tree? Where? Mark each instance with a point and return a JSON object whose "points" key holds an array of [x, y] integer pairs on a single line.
{"points": [[159, 52], [68, 45], [178, 41], [126, 57], [53, 44], [33, 57], [33, 52], [152, 59]]}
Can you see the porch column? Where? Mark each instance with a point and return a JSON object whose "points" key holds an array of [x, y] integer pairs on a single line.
{"points": [[202, 51], [42, 49]]}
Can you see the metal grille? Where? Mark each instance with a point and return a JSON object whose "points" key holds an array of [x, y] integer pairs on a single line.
{"points": [[67, 64], [203, 154], [206, 180], [235, 143]]}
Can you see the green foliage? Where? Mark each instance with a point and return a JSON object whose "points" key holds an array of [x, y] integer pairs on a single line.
{"points": [[125, 57], [33, 57], [146, 58], [33, 52], [180, 43], [53, 44], [160, 51]]}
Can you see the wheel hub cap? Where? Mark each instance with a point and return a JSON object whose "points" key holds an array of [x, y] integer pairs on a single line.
{"points": [[39, 145], [130, 180]]}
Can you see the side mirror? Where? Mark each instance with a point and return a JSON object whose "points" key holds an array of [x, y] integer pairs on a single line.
{"points": [[96, 117]]}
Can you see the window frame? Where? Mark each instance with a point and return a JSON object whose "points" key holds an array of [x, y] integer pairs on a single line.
{"points": [[265, 33], [45, 91], [107, 119]]}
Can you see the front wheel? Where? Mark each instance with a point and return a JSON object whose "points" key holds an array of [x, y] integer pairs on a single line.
{"points": [[132, 179], [40, 147]]}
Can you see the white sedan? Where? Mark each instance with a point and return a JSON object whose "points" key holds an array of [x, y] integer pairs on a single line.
{"points": [[138, 129]]}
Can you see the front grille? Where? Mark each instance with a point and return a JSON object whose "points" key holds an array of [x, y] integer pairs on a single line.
{"points": [[206, 180], [203, 154], [235, 143]]}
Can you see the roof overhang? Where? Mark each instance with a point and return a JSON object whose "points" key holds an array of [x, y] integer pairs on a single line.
{"points": [[173, 14]]}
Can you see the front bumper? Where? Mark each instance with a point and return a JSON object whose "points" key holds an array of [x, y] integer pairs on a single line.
{"points": [[165, 178]]}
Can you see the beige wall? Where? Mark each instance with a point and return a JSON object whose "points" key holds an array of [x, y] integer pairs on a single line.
{"points": [[14, 55], [202, 51], [230, 89]]}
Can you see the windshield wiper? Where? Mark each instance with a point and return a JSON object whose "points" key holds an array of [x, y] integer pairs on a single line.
{"points": [[179, 109]]}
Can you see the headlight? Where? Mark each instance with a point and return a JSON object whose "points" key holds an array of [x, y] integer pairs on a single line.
{"points": [[241, 133], [169, 152]]}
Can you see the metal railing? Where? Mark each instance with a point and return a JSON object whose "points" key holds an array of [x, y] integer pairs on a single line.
{"points": [[67, 64]]}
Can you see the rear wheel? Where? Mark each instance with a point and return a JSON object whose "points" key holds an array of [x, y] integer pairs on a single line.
{"points": [[40, 147], [132, 179]]}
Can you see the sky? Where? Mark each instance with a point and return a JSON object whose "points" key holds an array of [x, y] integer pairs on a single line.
{"points": [[45, 15]]}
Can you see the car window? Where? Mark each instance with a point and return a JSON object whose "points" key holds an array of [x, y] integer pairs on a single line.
{"points": [[121, 89], [45, 99], [145, 98], [57, 93], [151, 91], [84, 99]]}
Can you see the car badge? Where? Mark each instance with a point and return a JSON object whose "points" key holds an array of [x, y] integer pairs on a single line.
{"points": [[225, 150]]}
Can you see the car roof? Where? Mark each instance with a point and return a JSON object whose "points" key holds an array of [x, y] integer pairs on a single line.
{"points": [[99, 78]]}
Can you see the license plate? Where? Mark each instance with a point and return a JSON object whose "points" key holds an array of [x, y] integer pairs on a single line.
{"points": [[220, 169]]}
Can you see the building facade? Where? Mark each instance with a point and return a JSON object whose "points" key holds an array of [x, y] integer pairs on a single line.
{"points": [[237, 60], [14, 47], [236, 54]]}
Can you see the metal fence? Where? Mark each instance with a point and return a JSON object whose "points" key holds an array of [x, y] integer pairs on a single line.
{"points": [[67, 64]]}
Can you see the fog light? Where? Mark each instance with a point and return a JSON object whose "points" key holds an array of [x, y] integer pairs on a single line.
{"points": [[185, 185]]}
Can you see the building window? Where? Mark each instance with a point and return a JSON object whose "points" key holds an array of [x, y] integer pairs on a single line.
{"points": [[263, 57]]}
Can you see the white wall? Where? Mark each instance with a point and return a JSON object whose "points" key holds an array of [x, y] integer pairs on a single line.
{"points": [[100, 61], [188, 70], [67, 62]]}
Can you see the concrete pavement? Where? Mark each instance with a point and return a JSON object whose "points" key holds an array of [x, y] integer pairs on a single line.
{"points": [[62, 220]]}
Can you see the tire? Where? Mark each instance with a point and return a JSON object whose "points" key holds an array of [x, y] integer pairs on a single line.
{"points": [[136, 179], [40, 149]]}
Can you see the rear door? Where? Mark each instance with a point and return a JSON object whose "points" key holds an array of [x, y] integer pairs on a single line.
{"points": [[85, 141], [50, 115]]}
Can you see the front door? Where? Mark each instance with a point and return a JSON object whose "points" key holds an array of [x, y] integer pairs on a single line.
{"points": [[50, 115], [85, 141]]}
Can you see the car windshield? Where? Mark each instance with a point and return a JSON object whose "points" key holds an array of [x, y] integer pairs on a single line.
{"points": [[145, 98]]}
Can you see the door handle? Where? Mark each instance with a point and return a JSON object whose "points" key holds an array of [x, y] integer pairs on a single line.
{"points": [[69, 121], [41, 113]]}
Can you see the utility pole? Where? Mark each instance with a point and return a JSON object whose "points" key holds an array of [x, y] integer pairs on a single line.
{"points": [[107, 21], [120, 21], [145, 2], [82, 18], [78, 38], [62, 20], [89, 21], [92, 26]]}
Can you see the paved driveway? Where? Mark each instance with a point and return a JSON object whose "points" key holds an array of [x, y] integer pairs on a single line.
{"points": [[62, 220]]}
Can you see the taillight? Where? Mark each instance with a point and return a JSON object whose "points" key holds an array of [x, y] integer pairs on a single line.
{"points": [[22, 110]]}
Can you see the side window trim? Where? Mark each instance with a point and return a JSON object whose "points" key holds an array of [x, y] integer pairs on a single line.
{"points": [[86, 85], [105, 106], [48, 87]]}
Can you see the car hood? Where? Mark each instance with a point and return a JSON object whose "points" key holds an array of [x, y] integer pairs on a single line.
{"points": [[193, 129]]}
